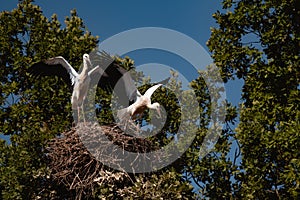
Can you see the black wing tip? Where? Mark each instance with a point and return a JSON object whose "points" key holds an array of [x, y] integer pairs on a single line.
{"points": [[35, 69], [104, 55], [164, 82]]}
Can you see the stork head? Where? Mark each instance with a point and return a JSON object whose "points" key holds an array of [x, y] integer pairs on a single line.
{"points": [[86, 60], [156, 106]]}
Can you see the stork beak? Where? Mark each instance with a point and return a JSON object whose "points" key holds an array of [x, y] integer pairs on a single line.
{"points": [[89, 62], [159, 113], [86, 59]]}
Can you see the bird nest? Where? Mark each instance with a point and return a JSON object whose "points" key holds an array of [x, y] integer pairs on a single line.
{"points": [[83, 158]]}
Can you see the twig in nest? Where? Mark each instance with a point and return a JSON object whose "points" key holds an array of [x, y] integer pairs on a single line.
{"points": [[77, 167]]}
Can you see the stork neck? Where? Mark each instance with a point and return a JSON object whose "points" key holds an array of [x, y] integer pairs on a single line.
{"points": [[85, 69], [150, 106]]}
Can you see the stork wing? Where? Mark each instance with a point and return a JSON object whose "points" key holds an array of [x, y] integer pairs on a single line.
{"points": [[164, 82], [139, 95], [96, 71], [113, 77], [57, 66], [60, 60], [117, 79], [127, 83], [150, 91]]}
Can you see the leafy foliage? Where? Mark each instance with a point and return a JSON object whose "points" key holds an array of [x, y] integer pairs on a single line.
{"points": [[159, 186], [33, 111], [258, 41]]}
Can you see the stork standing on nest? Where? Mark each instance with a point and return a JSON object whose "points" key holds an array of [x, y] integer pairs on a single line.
{"points": [[109, 76], [140, 105], [81, 82]]}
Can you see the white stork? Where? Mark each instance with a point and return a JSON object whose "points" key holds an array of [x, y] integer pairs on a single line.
{"points": [[140, 105], [109, 76]]}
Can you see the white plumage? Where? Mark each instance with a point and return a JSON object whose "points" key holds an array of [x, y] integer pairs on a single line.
{"points": [[81, 82], [140, 105]]}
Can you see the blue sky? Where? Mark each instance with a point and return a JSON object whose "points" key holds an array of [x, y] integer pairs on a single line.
{"points": [[107, 18]]}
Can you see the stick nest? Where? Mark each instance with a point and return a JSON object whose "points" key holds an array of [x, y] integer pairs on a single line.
{"points": [[80, 158]]}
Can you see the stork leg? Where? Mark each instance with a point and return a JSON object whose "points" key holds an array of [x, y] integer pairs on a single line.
{"points": [[133, 126], [127, 124], [137, 126], [78, 114], [123, 123], [83, 114], [76, 106]]}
